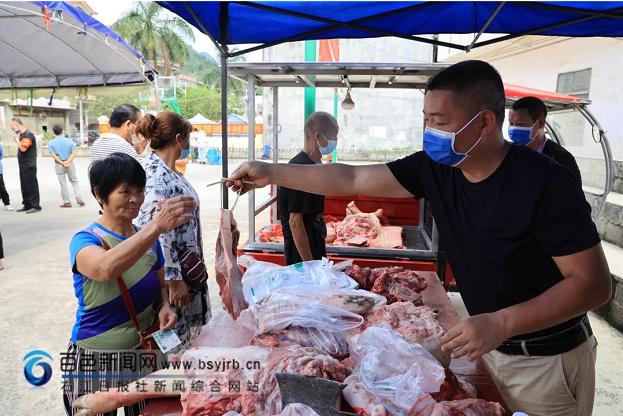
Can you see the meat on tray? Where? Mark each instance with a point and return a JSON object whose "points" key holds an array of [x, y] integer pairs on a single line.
{"points": [[228, 273], [396, 283], [272, 233], [361, 229]]}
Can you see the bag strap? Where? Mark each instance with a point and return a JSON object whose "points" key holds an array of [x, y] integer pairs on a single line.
{"points": [[123, 288]]}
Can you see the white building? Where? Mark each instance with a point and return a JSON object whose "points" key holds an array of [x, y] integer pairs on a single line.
{"points": [[584, 67], [381, 118]]}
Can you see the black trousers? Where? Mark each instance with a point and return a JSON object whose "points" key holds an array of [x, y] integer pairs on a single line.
{"points": [[3, 193], [30, 186], [1, 248]]}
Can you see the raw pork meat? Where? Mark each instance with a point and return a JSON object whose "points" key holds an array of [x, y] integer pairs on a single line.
{"points": [[415, 324], [362, 275], [398, 284], [205, 402], [358, 229], [267, 399], [228, 273], [389, 237], [351, 208], [468, 407], [294, 360], [453, 388]]}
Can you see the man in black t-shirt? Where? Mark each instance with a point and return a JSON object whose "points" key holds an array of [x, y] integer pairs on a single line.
{"points": [[526, 256], [527, 127], [27, 161], [304, 230]]}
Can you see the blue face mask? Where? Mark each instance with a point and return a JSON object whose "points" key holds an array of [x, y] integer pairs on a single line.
{"points": [[329, 148], [184, 153], [439, 145], [521, 135]]}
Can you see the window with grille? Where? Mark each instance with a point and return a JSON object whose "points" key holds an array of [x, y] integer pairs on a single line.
{"points": [[576, 83]]}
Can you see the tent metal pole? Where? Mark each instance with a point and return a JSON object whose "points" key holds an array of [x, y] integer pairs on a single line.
{"points": [[275, 146], [537, 30], [251, 150], [224, 142], [485, 26]]}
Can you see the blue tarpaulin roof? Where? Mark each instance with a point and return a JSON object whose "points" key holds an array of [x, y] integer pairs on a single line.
{"points": [[278, 22]]}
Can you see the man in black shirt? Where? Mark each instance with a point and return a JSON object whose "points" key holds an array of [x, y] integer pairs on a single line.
{"points": [[304, 230], [527, 127], [27, 161], [527, 257]]}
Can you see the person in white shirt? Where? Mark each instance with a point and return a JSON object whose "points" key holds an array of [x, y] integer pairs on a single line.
{"points": [[121, 136]]}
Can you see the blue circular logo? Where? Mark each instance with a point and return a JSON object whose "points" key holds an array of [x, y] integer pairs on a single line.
{"points": [[37, 358]]}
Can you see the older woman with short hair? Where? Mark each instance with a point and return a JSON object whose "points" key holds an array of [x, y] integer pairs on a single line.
{"points": [[106, 252]]}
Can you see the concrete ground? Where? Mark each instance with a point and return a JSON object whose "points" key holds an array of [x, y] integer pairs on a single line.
{"points": [[37, 304]]}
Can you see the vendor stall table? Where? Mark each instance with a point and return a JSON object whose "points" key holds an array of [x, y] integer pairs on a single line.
{"points": [[434, 296]]}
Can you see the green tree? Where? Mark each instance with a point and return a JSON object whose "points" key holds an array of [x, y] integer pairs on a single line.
{"points": [[207, 101], [156, 34]]}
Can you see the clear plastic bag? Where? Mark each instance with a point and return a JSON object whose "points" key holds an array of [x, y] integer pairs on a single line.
{"points": [[389, 368], [298, 409], [223, 331], [292, 409], [331, 343], [262, 278], [357, 301], [281, 309]]}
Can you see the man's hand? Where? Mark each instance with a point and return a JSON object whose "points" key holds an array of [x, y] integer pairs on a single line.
{"points": [[250, 175], [178, 293], [166, 317], [475, 336], [67, 164]]}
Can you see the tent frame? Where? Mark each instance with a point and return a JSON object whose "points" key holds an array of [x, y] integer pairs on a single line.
{"points": [[222, 45]]}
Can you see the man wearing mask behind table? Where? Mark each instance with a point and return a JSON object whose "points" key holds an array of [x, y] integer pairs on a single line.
{"points": [[527, 127], [122, 137], [304, 230], [517, 229]]}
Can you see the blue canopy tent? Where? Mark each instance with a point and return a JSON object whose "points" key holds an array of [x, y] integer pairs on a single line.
{"points": [[273, 23]]}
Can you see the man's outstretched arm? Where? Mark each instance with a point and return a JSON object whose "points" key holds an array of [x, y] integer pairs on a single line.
{"points": [[333, 179]]}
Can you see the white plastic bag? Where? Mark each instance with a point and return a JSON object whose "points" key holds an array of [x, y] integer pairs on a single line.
{"points": [[297, 409], [280, 309], [393, 370], [262, 278], [223, 331]]}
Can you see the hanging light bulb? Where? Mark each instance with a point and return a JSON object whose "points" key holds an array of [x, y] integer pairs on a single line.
{"points": [[348, 103]]}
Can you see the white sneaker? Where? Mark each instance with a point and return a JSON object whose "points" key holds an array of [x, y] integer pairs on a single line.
{"points": [[8, 207]]}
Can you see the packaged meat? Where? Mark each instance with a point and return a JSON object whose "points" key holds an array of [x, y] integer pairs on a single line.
{"points": [[228, 273], [331, 343], [262, 278], [414, 324], [390, 369], [281, 309], [357, 301], [223, 331]]}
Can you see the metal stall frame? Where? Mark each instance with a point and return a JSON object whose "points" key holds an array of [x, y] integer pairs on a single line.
{"points": [[330, 75], [377, 75]]}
